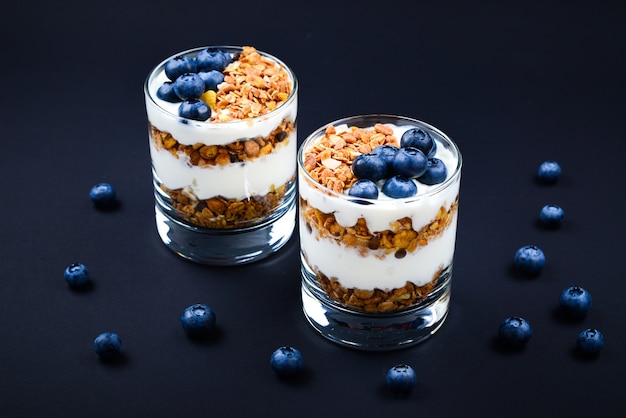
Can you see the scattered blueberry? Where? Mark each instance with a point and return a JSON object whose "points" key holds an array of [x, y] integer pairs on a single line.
{"points": [[436, 172], [102, 194], [401, 379], [178, 66], [212, 59], [189, 86], [551, 216], [107, 345], [549, 171], [409, 162], [286, 361], [166, 92], [575, 301], [530, 260], [590, 341], [198, 320], [364, 188], [194, 109], [420, 139], [398, 187], [515, 331], [369, 166], [211, 79], [76, 274]]}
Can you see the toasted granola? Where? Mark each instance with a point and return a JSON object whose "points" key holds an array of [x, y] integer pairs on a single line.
{"points": [[219, 212], [244, 149]]}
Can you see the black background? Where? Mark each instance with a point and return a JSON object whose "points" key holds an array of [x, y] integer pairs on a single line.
{"points": [[513, 83]]}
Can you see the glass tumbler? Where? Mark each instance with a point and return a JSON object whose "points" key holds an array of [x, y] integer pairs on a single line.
{"points": [[376, 268], [223, 144]]}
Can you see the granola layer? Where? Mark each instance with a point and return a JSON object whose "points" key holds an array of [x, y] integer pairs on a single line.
{"points": [[221, 213]]}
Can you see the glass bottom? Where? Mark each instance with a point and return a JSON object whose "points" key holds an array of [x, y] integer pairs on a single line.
{"points": [[374, 332], [226, 247]]}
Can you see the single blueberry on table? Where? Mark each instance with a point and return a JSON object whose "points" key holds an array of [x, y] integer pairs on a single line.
{"points": [[194, 109], [398, 187], [286, 361], [364, 188], [530, 260], [102, 195], [212, 59], [76, 274], [590, 342], [575, 302], [178, 66], [515, 331], [369, 166], [189, 86], [198, 320], [107, 345], [401, 379], [409, 162], [551, 216], [549, 171], [436, 172], [166, 92], [420, 139], [211, 79]]}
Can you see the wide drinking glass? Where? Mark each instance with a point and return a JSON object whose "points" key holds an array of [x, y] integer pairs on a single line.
{"points": [[224, 163], [376, 272]]}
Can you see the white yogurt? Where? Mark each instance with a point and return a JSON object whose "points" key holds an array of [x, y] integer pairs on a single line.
{"points": [[232, 181], [375, 270]]}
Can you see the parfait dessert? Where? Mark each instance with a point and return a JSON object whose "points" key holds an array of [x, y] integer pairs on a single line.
{"points": [[378, 199], [222, 128]]}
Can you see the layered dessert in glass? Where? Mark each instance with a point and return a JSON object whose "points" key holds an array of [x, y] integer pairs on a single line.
{"points": [[222, 128], [377, 239]]}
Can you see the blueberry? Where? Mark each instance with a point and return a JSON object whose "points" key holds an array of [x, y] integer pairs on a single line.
{"points": [[198, 320], [212, 59], [387, 153], [364, 188], [398, 187], [189, 86], [166, 92], [194, 109], [590, 341], [102, 195], [401, 379], [436, 172], [76, 274], [575, 301], [551, 216], [107, 345], [420, 139], [530, 260], [178, 66], [286, 361], [515, 331], [211, 79], [409, 162], [549, 171], [369, 166]]}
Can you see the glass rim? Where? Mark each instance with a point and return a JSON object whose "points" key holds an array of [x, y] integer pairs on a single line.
{"points": [[377, 118], [235, 122]]}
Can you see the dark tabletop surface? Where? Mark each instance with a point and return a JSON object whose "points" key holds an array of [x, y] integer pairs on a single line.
{"points": [[514, 83]]}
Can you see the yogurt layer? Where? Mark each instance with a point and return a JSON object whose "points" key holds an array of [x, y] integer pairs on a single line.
{"points": [[232, 181]]}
